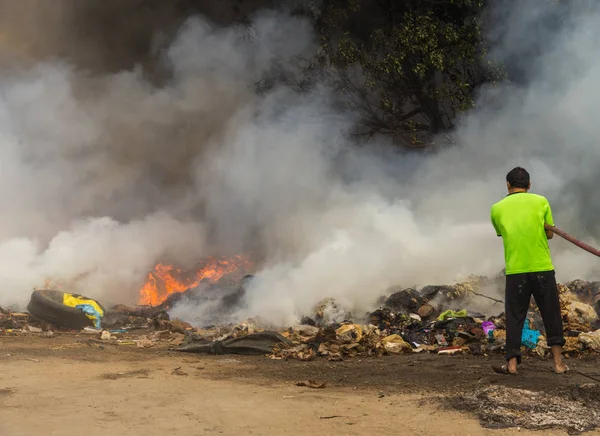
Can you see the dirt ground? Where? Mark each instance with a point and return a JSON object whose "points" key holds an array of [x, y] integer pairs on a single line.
{"points": [[66, 386]]}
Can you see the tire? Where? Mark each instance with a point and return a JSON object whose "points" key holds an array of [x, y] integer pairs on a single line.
{"points": [[48, 306]]}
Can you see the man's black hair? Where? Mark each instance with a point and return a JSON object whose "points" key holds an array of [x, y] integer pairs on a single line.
{"points": [[518, 178]]}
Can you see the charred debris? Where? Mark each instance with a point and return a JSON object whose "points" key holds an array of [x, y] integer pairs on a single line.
{"points": [[434, 319]]}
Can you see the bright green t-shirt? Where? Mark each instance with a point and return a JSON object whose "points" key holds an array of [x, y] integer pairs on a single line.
{"points": [[519, 218]]}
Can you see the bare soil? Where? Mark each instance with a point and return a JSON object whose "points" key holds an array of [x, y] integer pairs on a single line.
{"points": [[65, 386]]}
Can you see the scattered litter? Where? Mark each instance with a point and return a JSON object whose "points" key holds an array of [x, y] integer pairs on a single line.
{"points": [[426, 311], [305, 330], [311, 384], [488, 327], [144, 343], [441, 340], [178, 371], [91, 310], [141, 373], [591, 340], [450, 350], [529, 337], [448, 314], [261, 343], [395, 344], [542, 349], [349, 333]]}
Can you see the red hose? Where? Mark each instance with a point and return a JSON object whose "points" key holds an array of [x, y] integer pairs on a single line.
{"points": [[572, 240]]}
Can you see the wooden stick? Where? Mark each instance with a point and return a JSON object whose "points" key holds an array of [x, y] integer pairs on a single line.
{"points": [[574, 241], [485, 296]]}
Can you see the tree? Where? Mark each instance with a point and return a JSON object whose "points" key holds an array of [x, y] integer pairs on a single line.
{"points": [[407, 67]]}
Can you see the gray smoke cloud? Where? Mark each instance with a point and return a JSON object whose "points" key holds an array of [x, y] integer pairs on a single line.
{"points": [[103, 174], [106, 173]]}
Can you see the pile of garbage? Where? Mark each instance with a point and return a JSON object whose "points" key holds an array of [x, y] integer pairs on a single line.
{"points": [[61, 312], [434, 319], [409, 321], [11, 320]]}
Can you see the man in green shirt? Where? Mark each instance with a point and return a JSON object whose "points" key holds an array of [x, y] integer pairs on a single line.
{"points": [[520, 220]]}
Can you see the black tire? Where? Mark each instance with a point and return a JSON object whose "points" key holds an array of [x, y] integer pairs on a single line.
{"points": [[48, 305]]}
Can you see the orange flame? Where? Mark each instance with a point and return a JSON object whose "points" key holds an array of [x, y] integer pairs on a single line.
{"points": [[165, 280]]}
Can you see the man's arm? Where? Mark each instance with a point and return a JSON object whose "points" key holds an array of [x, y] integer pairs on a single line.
{"points": [[494, 223], [548, 220]]}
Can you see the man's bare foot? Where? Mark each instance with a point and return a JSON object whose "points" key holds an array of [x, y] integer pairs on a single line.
{"points": [[561, 368]]}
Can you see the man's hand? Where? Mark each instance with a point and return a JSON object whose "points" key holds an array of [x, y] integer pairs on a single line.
{"points": [[549, 232]]}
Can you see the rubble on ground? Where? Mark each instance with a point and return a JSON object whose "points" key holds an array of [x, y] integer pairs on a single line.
{"points": [[10, 321], [433, 319], [577, 314], [259, 343]]}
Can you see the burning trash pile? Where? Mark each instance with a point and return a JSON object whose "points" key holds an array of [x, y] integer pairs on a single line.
{"points": [[216, 282], [409, 321], [434, 319]]}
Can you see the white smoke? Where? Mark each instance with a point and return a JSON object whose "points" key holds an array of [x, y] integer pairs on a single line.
{"points": [[104, 175], [439, 231]]}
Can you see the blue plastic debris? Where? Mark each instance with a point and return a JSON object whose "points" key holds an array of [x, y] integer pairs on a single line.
{"points": [[90, 310], [529, 337]]}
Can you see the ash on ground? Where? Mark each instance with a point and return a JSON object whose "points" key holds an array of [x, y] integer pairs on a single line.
{"points": [[505, 407]]}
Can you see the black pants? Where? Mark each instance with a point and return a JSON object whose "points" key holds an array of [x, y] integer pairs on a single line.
{"points": [[519, 288]]}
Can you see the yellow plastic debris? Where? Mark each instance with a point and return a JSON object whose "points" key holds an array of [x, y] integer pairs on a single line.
{"points": [[395, 344], [349, 333], [71, 300]]}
